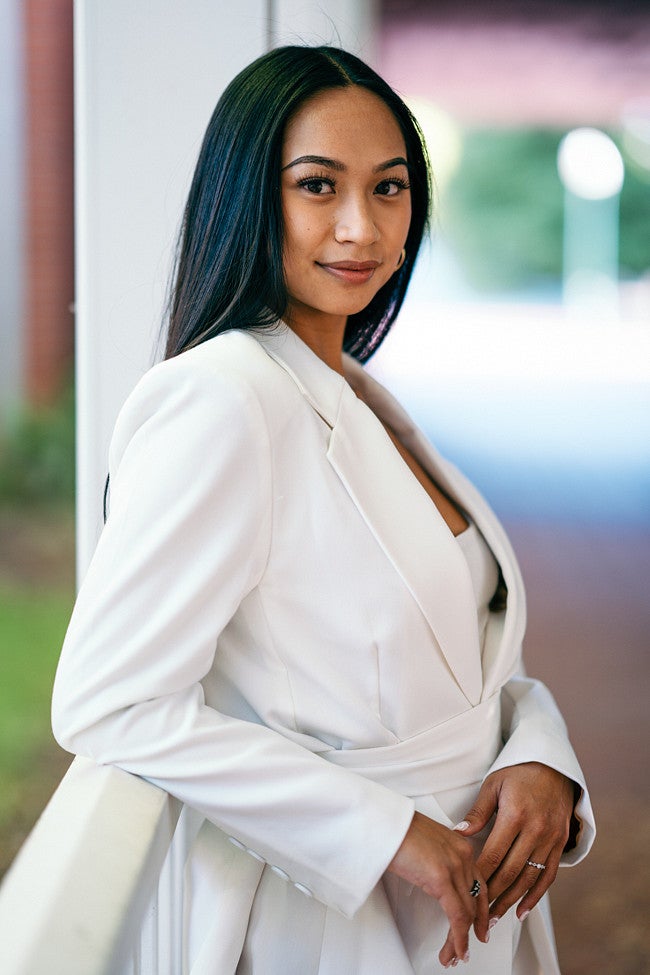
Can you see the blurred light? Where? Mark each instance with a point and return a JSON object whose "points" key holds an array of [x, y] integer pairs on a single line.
{"points": [[590, 165], [636, 132], [442, 136]]}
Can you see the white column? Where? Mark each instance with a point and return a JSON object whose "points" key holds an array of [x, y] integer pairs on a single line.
{"points": [[147, 77], [351, 24]]}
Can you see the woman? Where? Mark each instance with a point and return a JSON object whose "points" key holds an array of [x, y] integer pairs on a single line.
{"points": [[300, 619]]}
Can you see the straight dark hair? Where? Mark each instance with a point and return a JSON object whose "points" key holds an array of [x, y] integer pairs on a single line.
{"points": [[228, 271]]}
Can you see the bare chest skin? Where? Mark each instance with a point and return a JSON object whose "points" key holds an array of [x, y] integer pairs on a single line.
{"points": [[453, 516]]}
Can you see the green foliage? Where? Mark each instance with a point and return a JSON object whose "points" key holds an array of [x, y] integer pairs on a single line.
{"points": [[635, 221], [503, 210], [32, 626], [37, 454]]}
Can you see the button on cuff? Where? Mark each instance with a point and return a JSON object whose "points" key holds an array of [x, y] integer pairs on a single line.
{"points": [[303, 890], [279, 872], [236, 842]]}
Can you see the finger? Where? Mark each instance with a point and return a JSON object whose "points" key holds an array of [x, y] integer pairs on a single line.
{"points": [[447, 954], [460, 919], [544, 881], [481, 812], [475, 893], [504, 864], [526, 881], [481, 920], [497, 847]]}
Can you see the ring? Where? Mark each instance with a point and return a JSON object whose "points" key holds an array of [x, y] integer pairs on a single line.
{"points": [[538, 866], [476, 889]]}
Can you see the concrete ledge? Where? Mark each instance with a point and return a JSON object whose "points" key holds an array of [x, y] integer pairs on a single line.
{"points": [[73, 901]]}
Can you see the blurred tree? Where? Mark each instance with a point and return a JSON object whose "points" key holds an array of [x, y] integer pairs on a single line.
{"points": [[37, 462], [503, 210]]}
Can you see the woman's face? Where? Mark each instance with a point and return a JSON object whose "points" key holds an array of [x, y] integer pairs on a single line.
{"points": [[346, 205]]}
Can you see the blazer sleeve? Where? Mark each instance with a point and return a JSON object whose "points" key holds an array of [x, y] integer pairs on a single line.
{"points": [[187, 537], [534, 731]]}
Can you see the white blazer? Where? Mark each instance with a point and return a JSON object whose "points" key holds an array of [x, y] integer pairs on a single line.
{"points": [[277, 623]]}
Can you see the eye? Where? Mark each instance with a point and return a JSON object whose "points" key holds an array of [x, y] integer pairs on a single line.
{"points": [[391, 187], [318, 185]]}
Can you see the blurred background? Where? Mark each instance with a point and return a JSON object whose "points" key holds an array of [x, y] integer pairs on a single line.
{"points": [[523, 350]]}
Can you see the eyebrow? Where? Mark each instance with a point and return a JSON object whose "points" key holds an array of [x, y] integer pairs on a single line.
{"points": [[340, 167]]}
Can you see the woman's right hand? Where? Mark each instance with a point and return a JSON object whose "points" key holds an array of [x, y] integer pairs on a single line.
{"points": [[442, 864]]}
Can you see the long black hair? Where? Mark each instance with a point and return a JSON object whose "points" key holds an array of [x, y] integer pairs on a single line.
{"points": [[228, 271]]}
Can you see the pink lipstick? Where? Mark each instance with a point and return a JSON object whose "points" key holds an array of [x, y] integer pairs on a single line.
{"points": [[354, 272]]}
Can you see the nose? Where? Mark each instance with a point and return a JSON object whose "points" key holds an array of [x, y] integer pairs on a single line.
{"points": [[355, 222]]}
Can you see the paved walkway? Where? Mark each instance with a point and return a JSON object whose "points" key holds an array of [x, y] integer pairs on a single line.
{"points": [[589, 620]]}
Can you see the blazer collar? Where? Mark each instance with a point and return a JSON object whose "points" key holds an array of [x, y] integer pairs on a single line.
{"points": [[321, 386], [396, 508]]}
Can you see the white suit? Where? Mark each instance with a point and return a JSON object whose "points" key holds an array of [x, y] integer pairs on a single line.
{"points": [[279, 628]]}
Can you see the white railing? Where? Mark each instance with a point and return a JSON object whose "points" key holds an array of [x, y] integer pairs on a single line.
{"points": [[97, 888]]}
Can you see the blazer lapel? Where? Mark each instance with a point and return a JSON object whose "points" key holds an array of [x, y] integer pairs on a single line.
{"points": [[412, 533], [398, 511], [505, 630]]}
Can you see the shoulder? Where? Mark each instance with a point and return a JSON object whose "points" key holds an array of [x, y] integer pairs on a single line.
{"points": [[230, 366], [227, 381], [232, 359]]}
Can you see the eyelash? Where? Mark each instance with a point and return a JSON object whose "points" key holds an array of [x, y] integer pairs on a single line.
{"points": [[402, 184]]}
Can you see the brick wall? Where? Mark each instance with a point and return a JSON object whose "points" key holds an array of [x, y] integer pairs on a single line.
{"points": [[49, 263]]}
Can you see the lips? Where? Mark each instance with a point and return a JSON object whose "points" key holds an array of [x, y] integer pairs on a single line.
{"points": [[356, 272], [352, 265]]}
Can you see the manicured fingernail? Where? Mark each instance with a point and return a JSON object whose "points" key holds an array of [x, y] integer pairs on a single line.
{"points": [[466, 957], [524, 915], [487, 937], [493, 921], [462, 825]]}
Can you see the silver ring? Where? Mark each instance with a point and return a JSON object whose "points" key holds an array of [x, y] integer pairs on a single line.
{"points": [[538, 866], [476, 889]]}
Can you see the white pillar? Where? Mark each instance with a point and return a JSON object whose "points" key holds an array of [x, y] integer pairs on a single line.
{"points": [[147, 77], [351, 24]]}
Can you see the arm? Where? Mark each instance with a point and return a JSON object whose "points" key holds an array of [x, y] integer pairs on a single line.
{"points": [[187, 539]]}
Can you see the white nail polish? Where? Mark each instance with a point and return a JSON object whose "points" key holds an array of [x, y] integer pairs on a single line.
{"points": [[463, 825], [493, 921], [524, 915]]}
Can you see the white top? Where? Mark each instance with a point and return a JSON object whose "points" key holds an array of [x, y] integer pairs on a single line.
{"points": [[484, 570]]}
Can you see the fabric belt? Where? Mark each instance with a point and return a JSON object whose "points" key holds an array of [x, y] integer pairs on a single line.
{"points": [[450, 755]]}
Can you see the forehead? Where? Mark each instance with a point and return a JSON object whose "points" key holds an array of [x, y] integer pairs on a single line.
{"points": [[344, 122]]}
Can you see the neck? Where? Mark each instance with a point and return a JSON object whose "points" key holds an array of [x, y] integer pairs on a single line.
{"points": [[324, 337]]}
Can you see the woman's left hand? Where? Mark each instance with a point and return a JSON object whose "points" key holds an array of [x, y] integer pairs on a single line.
{"points": [[533, 805]]}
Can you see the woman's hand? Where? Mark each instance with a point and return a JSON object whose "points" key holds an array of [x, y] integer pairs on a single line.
{"points": [[441, 863], [533, 805]]}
